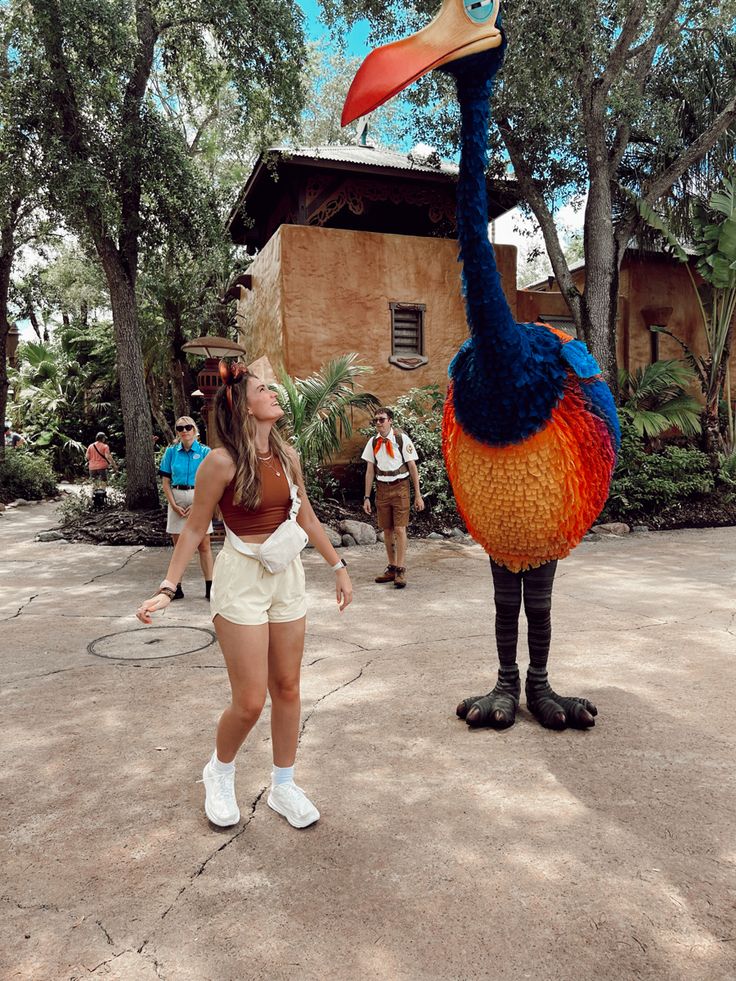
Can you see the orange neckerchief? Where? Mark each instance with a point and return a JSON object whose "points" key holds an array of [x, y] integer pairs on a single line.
{"points": [[384, 441]]}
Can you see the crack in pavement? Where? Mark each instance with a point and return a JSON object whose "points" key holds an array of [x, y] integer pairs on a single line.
{"points": [[21, 608], [253, 806], [27, 906], [101, 575], [327, 695], [91, 970], [46, 674], [107, 935], [200, 869]]}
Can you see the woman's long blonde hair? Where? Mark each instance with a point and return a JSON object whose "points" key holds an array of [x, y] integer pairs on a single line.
{"points": [[236, 430]]}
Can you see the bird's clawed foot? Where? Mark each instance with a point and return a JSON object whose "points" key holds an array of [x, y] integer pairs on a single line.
{"points": [[557, 711], [496, 709]]}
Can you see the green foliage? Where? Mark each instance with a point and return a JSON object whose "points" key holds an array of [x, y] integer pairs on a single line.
{"points": [[319, 410], [66, 390], [27, 475], [713, 236], [645, 484], [585, 102], [419, 414], [655, 399], [727, 472]]}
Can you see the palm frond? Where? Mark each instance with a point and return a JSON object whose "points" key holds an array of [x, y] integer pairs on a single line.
{"points": [[319, 409]]}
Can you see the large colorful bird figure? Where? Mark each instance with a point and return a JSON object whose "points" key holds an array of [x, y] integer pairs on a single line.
{"points": [[530, 431]]}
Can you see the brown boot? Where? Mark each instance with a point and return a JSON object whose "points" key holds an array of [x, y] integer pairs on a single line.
{"points": [[400, 577], [388, 576]]}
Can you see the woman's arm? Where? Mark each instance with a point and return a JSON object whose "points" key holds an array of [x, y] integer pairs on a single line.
{"points": [[169, 495], [318, 537], [213, 476]]}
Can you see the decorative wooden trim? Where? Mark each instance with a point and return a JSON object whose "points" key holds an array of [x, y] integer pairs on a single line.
{"points": [[323, 200], [408, 361]]}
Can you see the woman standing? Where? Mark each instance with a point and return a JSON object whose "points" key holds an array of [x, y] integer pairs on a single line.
{"points": [[178, 470], [259, 616]]}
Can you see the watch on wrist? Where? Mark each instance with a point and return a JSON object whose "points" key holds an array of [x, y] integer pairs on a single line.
{"points": [[340, 564], [367, 497]]}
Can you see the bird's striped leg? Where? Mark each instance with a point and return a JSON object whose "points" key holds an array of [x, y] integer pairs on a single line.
{"points": [[550, 709], [498, 707]]}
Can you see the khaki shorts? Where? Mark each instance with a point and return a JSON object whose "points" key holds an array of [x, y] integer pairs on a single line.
{"points": [[243, 592], [392, 503], [174, 522]]}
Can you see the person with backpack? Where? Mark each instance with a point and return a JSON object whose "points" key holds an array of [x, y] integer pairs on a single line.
{"points": [[391, 458], [99, 459]]}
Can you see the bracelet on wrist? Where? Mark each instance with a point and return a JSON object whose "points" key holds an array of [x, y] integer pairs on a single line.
{"points": [[367, 497], [341, 564], [167, 592], [167, 584]]}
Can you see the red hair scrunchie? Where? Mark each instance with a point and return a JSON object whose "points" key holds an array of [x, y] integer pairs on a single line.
{"points": [[231, 372]]}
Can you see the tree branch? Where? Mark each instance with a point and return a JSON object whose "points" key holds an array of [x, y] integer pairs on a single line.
{"points": [[132, 137], [209, 118], [659, 186], [167, 25], [617, 61], [536, 202], [696, 151]]}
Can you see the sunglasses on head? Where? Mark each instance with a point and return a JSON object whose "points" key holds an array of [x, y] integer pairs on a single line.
{"points": [[184, 429], [380, 419]]}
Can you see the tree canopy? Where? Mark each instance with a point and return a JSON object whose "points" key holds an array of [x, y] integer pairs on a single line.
{"points": [[120, 87], [593, 98]]}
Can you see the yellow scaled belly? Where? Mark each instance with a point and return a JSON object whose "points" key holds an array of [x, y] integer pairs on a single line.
{"points": [[531, 502]]}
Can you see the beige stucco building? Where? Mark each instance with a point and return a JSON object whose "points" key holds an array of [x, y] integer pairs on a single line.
{"points": [[356, 250]]}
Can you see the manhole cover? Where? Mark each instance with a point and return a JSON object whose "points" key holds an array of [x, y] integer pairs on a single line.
{"points": [[151, 643]]}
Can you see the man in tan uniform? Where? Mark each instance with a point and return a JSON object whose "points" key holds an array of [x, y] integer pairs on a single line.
{"points": [[391, 458]]}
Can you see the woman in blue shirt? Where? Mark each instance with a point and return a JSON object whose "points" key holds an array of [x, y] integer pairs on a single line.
{"points": [[178, 469]]}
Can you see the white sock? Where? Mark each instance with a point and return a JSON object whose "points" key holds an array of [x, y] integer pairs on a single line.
{"points": [[281, 774], [220, 767]]}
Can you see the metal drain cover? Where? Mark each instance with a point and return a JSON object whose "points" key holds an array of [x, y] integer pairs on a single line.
{"points": [[151, 643]]}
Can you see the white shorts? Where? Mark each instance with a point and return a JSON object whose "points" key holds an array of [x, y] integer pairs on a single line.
{"points": [[174, 522], [243, 592]]}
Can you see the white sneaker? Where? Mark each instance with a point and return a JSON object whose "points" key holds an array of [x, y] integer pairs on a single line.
{"points": [[220, 805], [292, 803]]}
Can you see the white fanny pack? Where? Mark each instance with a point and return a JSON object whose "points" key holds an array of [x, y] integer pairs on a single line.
{"points": [[280, 548]]}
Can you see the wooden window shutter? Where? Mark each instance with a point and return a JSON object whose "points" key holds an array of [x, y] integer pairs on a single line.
{"points": [[407, 335]]}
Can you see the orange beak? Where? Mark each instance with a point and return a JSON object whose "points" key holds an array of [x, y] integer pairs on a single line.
{"points": [[461, 28]]}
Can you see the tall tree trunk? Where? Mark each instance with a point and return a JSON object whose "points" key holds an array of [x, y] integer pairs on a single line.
{"points": [[600, 295], [7, 251], [599, 316], [156, 400], [5, 263], [141, 490]]}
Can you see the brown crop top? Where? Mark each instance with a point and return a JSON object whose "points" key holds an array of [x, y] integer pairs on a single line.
{"points": [[273, 509]]}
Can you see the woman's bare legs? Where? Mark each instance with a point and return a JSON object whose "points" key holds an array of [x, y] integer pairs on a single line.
{"points": [[246, 653], [285, 651]]}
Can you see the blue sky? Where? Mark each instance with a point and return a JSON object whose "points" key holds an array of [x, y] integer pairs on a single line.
{"points": [[357, 39]]}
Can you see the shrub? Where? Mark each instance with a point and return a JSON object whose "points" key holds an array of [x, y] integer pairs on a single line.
{"points": [[644, 484], [419, 414], [27, 475]]}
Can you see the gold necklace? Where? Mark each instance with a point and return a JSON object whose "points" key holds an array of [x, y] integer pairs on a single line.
{"points": [[265, 459]]}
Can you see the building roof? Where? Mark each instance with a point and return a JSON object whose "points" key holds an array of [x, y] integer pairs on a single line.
{"points": [[633, 251], [282, 172], [417, 159]]}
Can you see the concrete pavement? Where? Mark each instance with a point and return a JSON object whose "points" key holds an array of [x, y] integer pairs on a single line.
{"points": [[442, 853]]}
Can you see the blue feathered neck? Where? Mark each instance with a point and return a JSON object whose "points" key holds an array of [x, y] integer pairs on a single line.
{"points": [[507, 377]]}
